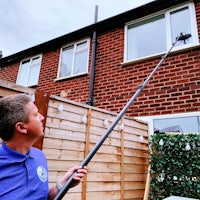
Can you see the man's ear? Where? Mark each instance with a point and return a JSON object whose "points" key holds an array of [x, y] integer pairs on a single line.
{"points": [[21, 127]]}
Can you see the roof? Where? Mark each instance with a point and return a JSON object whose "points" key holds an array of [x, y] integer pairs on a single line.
{"points": [[175, 128], [99, 27]]}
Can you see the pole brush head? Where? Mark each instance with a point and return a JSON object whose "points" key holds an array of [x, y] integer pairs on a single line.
{"points": [[183, 37]]}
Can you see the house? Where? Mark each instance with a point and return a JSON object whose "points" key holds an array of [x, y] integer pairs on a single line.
{"points": [[104, 63], [171, 129]]}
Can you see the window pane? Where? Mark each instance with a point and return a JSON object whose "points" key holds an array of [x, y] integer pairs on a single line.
{"points": [[34, 75], [74, 59], [146, 38], [28, 74], [179, 124], [180, 23], [25, 62], [80, 65], [23, 73], [66, 62], [35, 60], [81, 45]]}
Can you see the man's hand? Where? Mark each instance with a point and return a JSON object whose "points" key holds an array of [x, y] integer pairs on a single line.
{"points": [[78, 172]]}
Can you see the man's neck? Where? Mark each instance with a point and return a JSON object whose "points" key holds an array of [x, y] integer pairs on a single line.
{"points": [[19, 146]]}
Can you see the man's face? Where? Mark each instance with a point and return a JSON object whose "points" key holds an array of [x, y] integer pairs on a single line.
{"points": [[34, 127]]}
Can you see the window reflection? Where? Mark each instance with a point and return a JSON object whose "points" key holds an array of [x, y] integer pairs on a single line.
{"points": [[146, 38], [180, 23], [74, 59], [178, 124]]}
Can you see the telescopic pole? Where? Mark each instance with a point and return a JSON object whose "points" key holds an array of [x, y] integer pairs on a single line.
{"points": [[90, 155]]}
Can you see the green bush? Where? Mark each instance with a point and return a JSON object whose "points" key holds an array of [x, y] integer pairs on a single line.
{"points": [[175, 166]]}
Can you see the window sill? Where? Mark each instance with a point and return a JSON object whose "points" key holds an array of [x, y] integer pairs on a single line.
{"points": [[159, 55], [28, 86], [70, 77]]}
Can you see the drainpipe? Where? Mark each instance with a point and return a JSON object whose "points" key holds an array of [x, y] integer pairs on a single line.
{"points": [[92, 71]]}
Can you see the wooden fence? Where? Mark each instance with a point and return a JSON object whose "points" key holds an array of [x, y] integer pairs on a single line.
{"points": [[117, 171]]}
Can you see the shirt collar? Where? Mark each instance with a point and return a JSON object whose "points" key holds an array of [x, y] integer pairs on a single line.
{"points": [[15, 156]]}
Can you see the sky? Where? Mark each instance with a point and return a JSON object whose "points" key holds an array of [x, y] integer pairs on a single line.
{"points": [[26, 23]]}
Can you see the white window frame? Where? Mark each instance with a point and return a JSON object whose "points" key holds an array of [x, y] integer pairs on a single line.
{"points": [[75, 51], [150, 119], [169, 40], [28, 71]]}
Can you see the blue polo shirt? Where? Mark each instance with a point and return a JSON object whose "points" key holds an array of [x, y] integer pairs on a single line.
{"points": [[23, 177]]}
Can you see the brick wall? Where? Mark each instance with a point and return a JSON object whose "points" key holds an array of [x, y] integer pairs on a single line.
{"points": [[174, 88], [9, 73]]}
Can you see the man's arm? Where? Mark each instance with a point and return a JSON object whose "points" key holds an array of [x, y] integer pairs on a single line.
{"points": [[80, 173]]}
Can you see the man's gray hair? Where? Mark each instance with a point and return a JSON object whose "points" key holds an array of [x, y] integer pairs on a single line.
{"points": [[12, 110]]}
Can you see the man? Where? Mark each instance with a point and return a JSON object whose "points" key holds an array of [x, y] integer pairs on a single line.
{"points": [[23, 168]]}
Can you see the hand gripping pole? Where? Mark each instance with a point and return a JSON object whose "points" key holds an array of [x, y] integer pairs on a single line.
{"points": [[90, 155]]}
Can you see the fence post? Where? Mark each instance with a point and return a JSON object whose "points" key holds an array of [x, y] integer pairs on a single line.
{"points": [[42, 102]]}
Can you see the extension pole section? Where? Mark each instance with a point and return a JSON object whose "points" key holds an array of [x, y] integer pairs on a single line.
{"points": [[90, 155]]}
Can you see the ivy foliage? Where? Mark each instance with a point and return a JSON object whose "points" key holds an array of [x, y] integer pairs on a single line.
{"points": [[175, 166]]}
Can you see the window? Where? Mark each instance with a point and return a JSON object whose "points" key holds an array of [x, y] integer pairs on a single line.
{"points": [[74, 60], [155, 35], [177, 123], [29, 71]]}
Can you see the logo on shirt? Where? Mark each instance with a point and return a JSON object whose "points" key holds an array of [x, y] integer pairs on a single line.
{"points": [[42, 173]]}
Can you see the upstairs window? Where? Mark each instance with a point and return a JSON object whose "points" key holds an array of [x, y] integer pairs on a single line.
{"points": [[154, 35], [74, 60], [29, 71]]}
